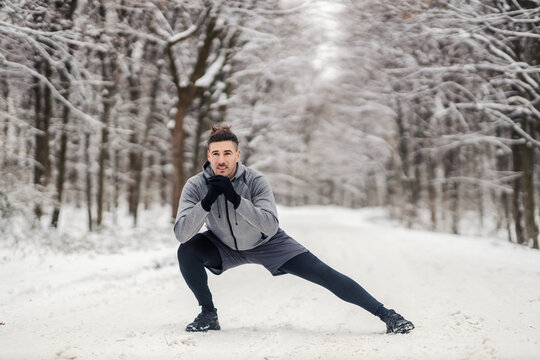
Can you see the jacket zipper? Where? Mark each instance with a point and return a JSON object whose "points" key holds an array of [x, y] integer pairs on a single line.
{"points": [[230, 226]]}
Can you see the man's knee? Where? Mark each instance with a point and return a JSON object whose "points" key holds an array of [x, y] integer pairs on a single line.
{"points": [[190, 248]]}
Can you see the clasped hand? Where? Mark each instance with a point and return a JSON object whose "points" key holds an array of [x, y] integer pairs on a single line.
{"points": [[220, 184]]}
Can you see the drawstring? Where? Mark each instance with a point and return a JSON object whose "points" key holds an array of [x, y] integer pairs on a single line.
{"points": [[235, 219], [218, 212]]}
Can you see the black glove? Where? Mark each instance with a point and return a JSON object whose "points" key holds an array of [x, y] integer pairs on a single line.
{"points": [[211, 196], [225, 185]]}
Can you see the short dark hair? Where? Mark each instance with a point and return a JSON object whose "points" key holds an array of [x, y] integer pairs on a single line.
{"points": [[222, 133]]}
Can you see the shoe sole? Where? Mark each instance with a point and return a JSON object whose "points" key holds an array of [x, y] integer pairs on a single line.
{"points": [[203, 329], [402, 328]]}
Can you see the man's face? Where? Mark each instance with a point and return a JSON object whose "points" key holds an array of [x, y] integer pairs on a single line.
{"points": [[223, 156]]}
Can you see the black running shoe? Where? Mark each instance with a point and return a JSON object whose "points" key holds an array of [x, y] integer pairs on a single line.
{"points": [[396, 324], [206, 320]]}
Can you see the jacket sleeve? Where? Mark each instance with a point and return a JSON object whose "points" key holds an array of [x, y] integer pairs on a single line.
{"points": [[191, 215], [261, 211]]}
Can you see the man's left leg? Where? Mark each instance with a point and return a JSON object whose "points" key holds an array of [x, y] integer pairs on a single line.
{"points": [[309, 267]]}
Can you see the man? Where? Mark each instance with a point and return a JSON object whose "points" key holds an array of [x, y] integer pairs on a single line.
{"points": [[238, 208]]}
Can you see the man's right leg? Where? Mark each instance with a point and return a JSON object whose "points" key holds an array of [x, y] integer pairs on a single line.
{"points": [[193, 256]]}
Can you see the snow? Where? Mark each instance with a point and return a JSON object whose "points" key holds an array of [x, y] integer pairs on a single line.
{"points": [[182, 35], [118, 294], [213, 70]]}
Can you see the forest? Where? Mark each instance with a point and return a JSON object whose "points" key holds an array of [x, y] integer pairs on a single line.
{"points": [[429, 109]]}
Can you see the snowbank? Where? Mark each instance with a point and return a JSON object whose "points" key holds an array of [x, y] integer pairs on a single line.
{"points": [[470, 297]]}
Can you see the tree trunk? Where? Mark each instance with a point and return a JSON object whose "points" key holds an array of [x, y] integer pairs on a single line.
{"points": [[505, 199], [451, 188], [205, 119], [531, 229], [480, 188], [403, 151], [416, 185], [502, 198], [135, 153], [164, 183], [135, 169], [61, 167], [177, 142], [47, 115], [203, 124], [61, 164], [517, 157], [115, 178], [149, 123], [186, 96], [136, 158], [432, 191], [103, 155], [108, 69], [536, 133], [88, 180], [4, 86], [43, 112], [150, 179], [38, 165], [66, 84]]}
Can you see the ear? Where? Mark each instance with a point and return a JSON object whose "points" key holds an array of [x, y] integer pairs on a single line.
{"points": [[208, 154]]}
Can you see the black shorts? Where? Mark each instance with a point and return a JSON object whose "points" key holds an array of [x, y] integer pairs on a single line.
{"points": [[272, 254]]}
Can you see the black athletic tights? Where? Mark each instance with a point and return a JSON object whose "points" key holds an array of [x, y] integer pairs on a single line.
{"points": [[197, 253]]}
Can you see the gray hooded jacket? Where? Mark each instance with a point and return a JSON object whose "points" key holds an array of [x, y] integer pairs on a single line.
{"points": [[252, 224]]}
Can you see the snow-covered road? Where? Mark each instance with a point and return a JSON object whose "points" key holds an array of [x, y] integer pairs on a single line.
{"points": [[470, 298]]}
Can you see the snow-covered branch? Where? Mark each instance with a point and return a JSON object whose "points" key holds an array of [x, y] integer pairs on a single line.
{"points": [[209, 77], [59, 36], [54, 91], [182, 35]]}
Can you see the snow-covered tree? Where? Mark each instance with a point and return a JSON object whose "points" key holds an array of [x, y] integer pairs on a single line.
{"points": [[462, 79]]}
